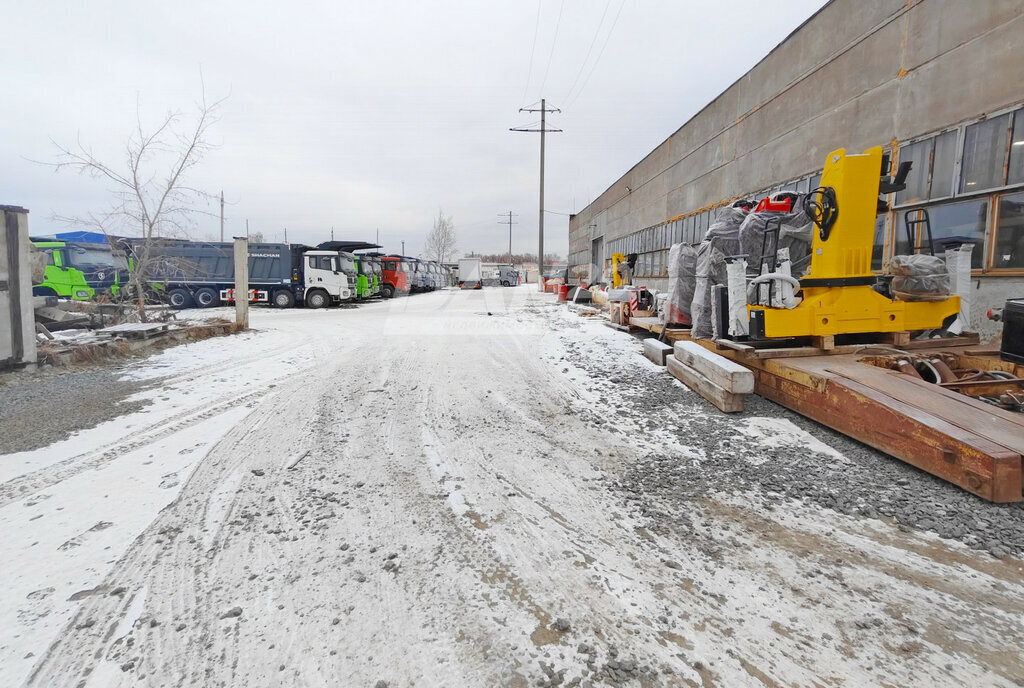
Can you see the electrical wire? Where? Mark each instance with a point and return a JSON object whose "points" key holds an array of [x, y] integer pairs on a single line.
{"points": [[598, 60], [554, 42], [593, 41], [529, 72]]}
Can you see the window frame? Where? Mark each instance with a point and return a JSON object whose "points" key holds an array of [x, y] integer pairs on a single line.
{"points": [[992, 237]]}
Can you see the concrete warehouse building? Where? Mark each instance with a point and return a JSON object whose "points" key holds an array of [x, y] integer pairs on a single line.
{"points": [[938, 82]]}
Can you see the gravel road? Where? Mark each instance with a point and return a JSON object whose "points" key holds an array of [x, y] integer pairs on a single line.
{"points": [[503, 495], [834, 472], [43, 407]]}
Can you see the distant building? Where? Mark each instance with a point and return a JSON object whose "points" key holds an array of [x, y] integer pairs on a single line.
{"points": [[935, 82]]}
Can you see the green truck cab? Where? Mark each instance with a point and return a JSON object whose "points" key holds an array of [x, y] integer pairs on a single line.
{"points": [[367, 279], [378, 275], [80, 270]]}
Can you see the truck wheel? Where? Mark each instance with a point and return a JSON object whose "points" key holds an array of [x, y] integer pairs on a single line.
{"points": [[388, 291], [505, 283], [317, 299], [180, 298], [283, 299], [207, 298]]}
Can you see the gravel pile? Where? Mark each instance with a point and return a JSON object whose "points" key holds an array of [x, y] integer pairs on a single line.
{"points": [[867, 483], [46, 406]]}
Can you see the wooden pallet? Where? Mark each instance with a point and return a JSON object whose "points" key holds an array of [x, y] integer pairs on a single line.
{"points": [[134, 330], [655, 326], [799, 348]]}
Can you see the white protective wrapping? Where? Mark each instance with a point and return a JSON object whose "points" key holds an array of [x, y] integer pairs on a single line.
{"points": [[958, 263], [786, 291], [736, 280]]}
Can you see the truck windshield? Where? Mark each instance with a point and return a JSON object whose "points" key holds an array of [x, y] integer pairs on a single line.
{"points": [[405, 267], [346, 264], [365, 268], [81, 256], [376, 268]]}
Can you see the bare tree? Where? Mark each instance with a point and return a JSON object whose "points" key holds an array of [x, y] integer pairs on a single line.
{"points": [[441, 239], [151, 197]]}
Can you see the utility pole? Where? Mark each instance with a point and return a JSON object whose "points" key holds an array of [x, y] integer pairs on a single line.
{"points": [[508, 222], [286, 235], [543, 110], [246, 228], [403, 247], [332, 233], [378, 237], [222, 215]]}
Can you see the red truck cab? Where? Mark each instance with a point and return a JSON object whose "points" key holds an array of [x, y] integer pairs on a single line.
{"points": [[396, 283]]}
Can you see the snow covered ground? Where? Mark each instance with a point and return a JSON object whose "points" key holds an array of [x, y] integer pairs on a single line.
{"points": [[429, 491]]}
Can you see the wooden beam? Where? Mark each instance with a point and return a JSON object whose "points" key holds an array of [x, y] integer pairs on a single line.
{"points": [[729, 375], [725, 401], [656, 351]]}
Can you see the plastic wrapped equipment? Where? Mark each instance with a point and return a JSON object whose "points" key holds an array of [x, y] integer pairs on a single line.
{"points": [[722, 239], [682, 266], [919, 277], [795, 233]]}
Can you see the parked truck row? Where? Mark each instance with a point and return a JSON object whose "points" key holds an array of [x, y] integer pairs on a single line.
{"points": [[188, 274]]}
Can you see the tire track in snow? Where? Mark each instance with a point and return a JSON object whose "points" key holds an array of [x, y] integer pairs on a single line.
{"points": [[24, 486]]}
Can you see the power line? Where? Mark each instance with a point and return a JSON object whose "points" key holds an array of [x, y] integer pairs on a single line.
{"points": [[598, 60], [529, 72], [597, 33], [554, 42]]}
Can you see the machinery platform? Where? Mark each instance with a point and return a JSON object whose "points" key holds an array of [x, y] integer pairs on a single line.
{"points": [[953, 436]]}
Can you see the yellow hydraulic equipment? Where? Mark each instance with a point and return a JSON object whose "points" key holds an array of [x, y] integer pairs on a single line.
{"points": [[620, 270], [838, 297]]}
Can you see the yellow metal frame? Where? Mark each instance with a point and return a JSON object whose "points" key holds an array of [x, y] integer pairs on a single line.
{"points": [[617, 259], [831, 310]]}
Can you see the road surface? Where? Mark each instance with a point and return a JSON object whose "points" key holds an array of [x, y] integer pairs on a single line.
{"points": [[432, 491]]}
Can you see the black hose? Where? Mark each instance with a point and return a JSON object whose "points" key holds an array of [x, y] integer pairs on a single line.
{"points": [[822, 212]]}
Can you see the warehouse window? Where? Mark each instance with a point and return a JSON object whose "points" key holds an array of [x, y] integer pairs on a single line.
{"points": [[964, 220], [919, 156], [985, 151], [943, 164], [1016, 168], [1009, 236], [931, 172]]}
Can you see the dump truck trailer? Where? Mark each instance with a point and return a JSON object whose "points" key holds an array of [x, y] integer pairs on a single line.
{"points": [[191, 273]]}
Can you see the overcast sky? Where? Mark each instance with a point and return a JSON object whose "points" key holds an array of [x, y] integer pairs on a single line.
{"points": [[371, 115]]}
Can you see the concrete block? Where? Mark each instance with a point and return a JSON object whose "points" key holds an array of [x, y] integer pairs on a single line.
{"points": [[728, 375], [723, 399], [656, 350], [17, 321]]}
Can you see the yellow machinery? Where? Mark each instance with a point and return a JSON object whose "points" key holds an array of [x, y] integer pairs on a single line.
{"points": [[838, 297], [619, 266]]}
